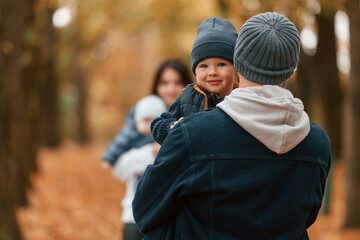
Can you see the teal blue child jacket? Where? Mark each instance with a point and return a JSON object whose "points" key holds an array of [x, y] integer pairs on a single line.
{"points": [[129, 137]]}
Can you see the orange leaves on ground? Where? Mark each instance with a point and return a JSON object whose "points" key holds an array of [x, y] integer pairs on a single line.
{"points": [[73, 197], [330, 226]]}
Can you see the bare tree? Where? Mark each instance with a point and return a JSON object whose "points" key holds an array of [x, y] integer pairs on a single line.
{"points": [[14, 130], [352, 124], [327, 76], [304, 85], [48, 84]]}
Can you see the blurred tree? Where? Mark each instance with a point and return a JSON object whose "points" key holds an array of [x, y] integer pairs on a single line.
{"points": [[75, 60], [49, 132], [352, 124], [81, 121], [305, 82], [39, 78], [14, 127], [302, 86], [327, 75], [224, 6]]}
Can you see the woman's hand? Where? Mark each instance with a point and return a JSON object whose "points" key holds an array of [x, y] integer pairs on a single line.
{"points": [[156, 148]]}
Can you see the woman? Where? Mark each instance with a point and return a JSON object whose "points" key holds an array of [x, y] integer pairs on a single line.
{"points": [[171, 77]]}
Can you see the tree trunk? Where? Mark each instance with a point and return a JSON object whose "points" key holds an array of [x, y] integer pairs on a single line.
{"points": [[224, 6], [328, 79], [14, 134], [49, 127], [79, 82], [352, 125], [304, 88]]}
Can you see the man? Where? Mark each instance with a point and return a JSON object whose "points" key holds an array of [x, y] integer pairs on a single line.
{"points": [[255, 167]]}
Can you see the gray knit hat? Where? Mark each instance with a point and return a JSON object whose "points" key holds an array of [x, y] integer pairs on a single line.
{"points": [[267, 49], [216, 38], [151, 106]]}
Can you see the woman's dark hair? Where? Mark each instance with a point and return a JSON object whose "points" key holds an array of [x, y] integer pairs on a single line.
{"points": [[178, 66]]}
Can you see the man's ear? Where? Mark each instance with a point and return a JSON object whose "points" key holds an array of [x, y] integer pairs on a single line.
{"points": [[282, 84], [237, 79], [238, 76]]}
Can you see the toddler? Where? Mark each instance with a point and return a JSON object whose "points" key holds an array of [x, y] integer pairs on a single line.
{"points": [[132, 164], [212, 63]]}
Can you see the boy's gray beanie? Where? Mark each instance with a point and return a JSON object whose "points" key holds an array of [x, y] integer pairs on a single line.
{"points": [[216, 38], [267, 49], [151, 106]]}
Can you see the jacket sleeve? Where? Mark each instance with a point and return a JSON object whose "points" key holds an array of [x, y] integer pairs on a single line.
{"points": [[162, 186], [160, 127], [124, 140], [320, 190]]}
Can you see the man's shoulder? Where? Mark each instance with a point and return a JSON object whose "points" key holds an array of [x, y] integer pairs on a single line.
{"points": [[319, 134], [209, 124], [206, 118], [316, 145]]}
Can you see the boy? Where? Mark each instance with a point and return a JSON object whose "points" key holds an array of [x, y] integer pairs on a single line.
{"points": [[212, 63], [132, 164]]}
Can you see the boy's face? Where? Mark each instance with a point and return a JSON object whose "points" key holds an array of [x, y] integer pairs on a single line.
{"points": [[216, 75], [143, 126]]}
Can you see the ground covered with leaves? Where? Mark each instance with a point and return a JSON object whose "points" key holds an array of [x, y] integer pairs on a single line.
{"points": [[73, 198]]}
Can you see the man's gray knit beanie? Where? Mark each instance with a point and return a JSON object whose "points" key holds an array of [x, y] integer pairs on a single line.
{"points": [[267, 49], [216, 38]]}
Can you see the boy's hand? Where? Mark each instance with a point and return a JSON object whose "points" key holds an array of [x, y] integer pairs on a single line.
{"points": [[176, 122]]}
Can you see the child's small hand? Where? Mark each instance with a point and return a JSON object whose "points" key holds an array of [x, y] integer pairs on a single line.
{"points": [[176, 122]]}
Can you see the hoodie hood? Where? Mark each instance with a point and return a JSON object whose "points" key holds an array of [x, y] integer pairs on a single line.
{"points": [[269, 113]]}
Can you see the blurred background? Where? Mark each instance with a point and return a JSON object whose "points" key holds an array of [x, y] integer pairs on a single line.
{"points": [[71, 69]]}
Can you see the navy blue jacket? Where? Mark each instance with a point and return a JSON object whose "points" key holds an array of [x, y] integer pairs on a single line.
{"points": [[193, 99], [127, 138], [213, 180]]}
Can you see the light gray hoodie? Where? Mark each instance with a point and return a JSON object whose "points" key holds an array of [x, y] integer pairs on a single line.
{"points": [[269, 113]]}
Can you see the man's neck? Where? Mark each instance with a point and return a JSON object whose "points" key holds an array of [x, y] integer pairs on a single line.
{"points": [[243, 83]]}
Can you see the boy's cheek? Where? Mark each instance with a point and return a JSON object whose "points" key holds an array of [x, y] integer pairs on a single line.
{"points": [[143, 126]]}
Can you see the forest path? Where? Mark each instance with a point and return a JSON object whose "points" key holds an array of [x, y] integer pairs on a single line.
{"points": [[73, 198]]}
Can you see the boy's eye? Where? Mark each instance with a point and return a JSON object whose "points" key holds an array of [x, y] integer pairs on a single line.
{"points": [[221, 64], [203, 66]]}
